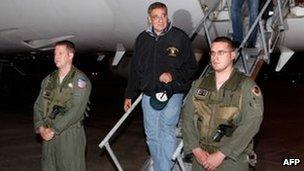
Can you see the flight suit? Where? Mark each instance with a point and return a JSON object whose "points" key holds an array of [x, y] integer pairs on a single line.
{"points": [[66, 151], [237, 103]]}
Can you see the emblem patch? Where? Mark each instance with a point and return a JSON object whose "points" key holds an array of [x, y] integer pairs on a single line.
{"points": [[172, 51], [81, 83], [201, 92], [256, 91]]}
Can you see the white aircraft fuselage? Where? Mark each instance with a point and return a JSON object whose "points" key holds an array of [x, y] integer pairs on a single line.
{"points": [[99, 25]]}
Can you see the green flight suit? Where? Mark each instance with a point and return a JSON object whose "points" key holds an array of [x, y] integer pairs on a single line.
{"points": [[238, 102], [66, 151]]}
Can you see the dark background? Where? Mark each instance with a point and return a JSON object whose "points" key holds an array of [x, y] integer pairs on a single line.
{"points": [[281, 135]]}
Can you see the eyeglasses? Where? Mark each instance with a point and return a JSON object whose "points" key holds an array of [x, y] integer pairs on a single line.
{"points": [[158, 17], [219, 53]]}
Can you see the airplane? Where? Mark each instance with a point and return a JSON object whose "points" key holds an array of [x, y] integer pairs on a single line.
{"points": [[95, 25], [106, 25], [100, 26], [33, 26]]}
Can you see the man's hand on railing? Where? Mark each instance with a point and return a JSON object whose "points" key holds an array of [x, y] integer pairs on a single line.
{"points": [[127, 104]]}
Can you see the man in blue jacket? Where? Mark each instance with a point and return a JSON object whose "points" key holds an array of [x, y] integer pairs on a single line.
{"points": [[163, 61]]}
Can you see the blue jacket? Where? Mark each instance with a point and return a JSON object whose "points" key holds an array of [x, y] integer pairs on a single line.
{"points": [[153, 55]]}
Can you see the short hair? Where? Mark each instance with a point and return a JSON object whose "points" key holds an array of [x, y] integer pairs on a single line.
{"points": [[225, 40], [157, 5], [70, 45]]}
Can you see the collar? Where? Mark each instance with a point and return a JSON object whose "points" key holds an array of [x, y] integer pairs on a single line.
{"points": [[234, 80], [231, 83], [70, 74], [150, 30]]}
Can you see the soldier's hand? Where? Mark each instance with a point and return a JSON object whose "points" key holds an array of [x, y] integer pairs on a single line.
{"points": [[46, 133], [41, 131], [200, 155], [214, 160], [127, 104], [49, 134], [166, 77]]}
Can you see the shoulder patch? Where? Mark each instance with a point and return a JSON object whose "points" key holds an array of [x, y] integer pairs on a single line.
{"points": [[81, 83], [256, 91]]}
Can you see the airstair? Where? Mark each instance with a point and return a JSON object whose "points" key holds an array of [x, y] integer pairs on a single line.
{"points": [[248, 61]]}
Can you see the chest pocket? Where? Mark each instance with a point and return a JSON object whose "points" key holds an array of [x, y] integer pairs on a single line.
{"points": [[230, 107], [216, 108], [66, 96], [203, 111], [61, 96], [200, 100], [49, 94]]}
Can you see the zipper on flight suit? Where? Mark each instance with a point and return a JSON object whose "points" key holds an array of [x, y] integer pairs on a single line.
{"points": [[211, 121]]}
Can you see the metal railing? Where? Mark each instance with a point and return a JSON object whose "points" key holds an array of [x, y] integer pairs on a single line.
{"points": [[202, 23], [105, 141], [266, 45]]}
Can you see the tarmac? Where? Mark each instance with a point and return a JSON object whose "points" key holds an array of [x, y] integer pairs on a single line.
{"points": [[281, 134]]}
